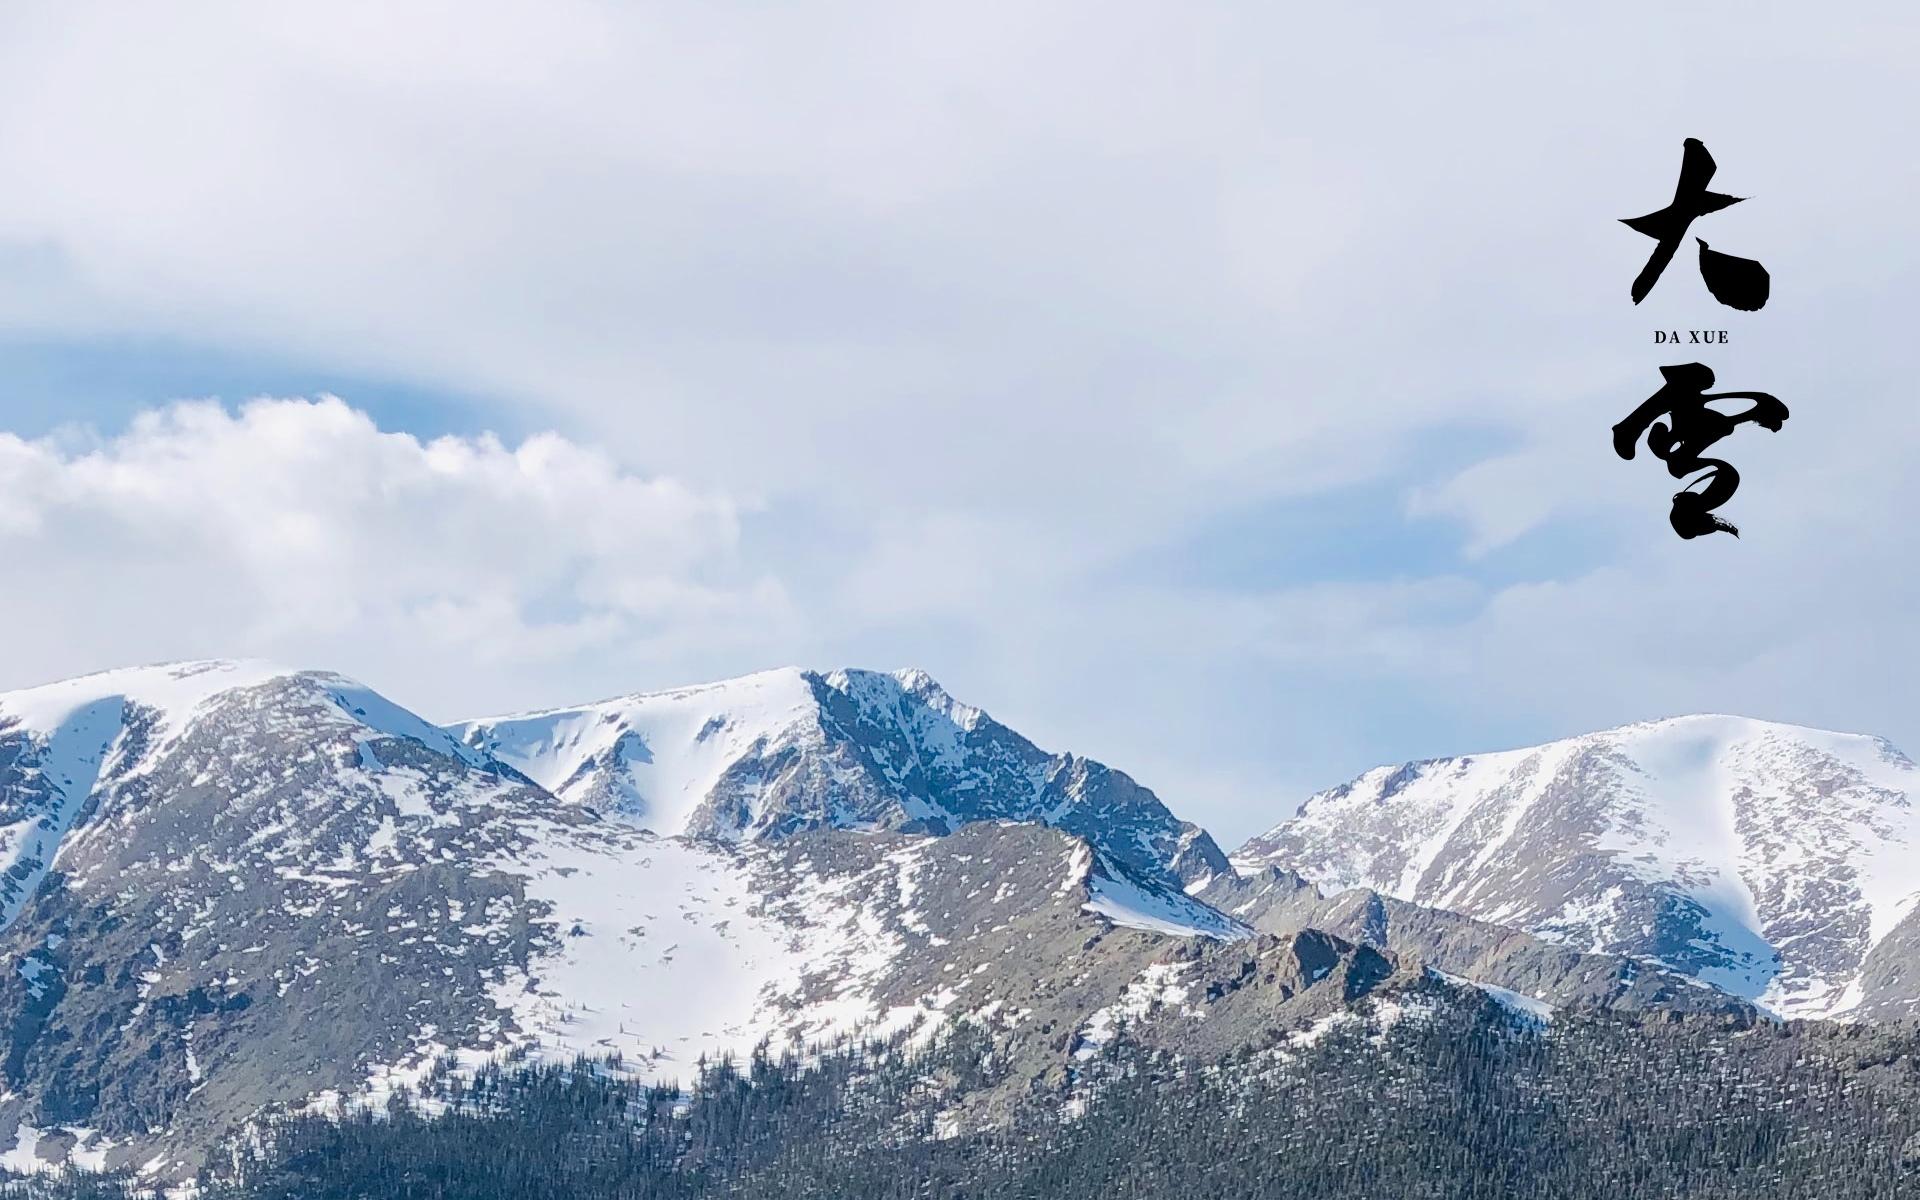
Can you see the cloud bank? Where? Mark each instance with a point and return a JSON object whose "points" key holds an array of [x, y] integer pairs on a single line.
{"points": [[299, 530], [1218, 389]]}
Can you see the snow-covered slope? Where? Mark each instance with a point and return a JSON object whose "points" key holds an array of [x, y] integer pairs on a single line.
{"points": [[655, 758], [769, 754], [58, 741], [230, 884], [1769, 860]]}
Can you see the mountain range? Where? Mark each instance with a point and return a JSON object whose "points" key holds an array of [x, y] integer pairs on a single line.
{"points": [[229, 888], [1774, 862]]}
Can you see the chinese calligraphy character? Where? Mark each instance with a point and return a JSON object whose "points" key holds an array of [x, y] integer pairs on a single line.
{"points": [[1740, 283], [1692, 426]]}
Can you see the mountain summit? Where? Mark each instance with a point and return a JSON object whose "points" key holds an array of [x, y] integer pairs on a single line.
{"points": [[770, 754], [229, 886], [1776, 862]]}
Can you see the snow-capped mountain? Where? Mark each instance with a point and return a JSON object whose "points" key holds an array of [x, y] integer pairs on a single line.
{"points": [[58, 742], [232, 885], [221, 869], [1273, 900], [1779, 863], [780, 751]]}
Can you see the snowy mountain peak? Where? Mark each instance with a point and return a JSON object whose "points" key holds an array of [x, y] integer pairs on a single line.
{"points": [[56, 741], [1727, 729], [285, 883], [768, 755], [167, 698], [93, 744], [877, 692], [172, 690], [653, 756], [1769, 859]]}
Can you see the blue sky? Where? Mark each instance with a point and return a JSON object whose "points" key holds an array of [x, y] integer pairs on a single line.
{"points": [[50, 382], [1218, 390]]}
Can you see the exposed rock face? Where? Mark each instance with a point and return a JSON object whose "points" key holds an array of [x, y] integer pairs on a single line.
{"points": [[770, 754], [252, 899], [1275, 900], [229, 887], [1774, 862], [235, 887]]}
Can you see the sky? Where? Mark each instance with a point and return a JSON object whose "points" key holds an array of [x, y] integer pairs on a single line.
{"points": [[1221, 391]]}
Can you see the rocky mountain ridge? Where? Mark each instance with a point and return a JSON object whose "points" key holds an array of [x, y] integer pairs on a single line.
{"points": [[769, 754], [1778, 863], [230, 887], [233, 886]]}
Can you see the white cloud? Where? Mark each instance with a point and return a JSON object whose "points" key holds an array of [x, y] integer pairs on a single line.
{"points": [[973, 310], [298, 530], [745, 242]]}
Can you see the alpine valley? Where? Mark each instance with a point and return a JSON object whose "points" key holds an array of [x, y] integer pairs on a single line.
{"points": [[239, 899]]}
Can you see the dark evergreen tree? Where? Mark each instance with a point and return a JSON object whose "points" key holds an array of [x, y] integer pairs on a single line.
{"points": [[1454, 1103]]}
